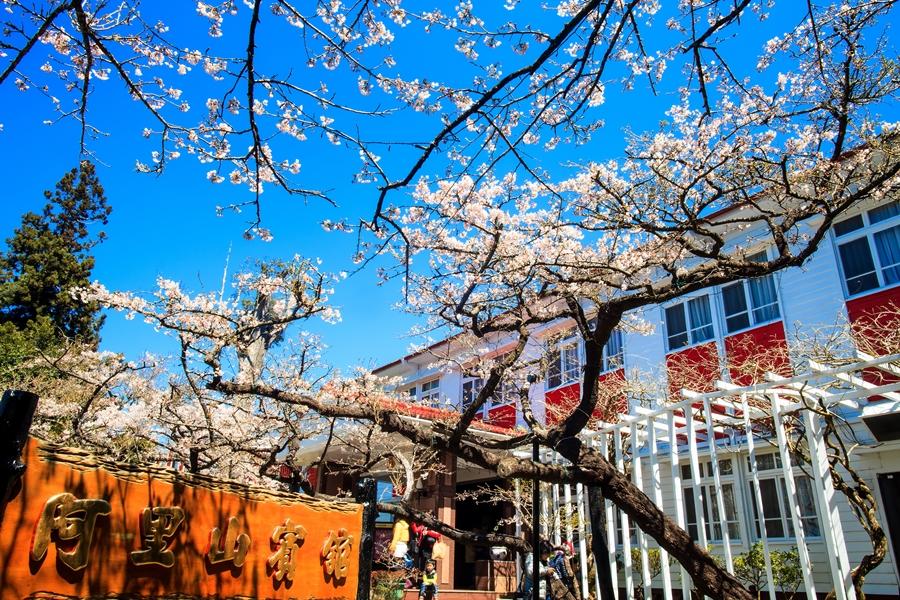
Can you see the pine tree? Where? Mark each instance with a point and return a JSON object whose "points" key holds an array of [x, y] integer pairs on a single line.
{"points": [[47, 257]]}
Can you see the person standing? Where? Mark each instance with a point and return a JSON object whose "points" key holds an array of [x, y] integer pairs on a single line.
{"points": [[545, 571]]}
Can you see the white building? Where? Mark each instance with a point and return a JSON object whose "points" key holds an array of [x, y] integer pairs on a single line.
{"points": [[854, 275]]}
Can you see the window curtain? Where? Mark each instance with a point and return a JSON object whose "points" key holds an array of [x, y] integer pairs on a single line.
{"points": [[570, 363], [736, 316], [676, 327], [764, 299], [614, 350], [554, 373], [859, 269], [701, 319], [883, 213], [887, 244]]}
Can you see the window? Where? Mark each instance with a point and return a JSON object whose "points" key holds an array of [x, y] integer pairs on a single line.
{"points": [[713, 526], [613, 352], [632, 530], [691, 328], [470, 388], [504, 394], [750, 302], [776, 503], [564, 363], [431, 393], [869, 248]]}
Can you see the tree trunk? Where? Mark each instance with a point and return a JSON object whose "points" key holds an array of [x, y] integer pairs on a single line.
{"points": [[707, 576], [599, 543]]}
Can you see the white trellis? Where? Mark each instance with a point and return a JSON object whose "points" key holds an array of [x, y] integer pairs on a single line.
{"points": [[714, 423]]}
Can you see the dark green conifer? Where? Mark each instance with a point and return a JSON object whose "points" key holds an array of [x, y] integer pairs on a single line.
{"points": [[48, 256]]}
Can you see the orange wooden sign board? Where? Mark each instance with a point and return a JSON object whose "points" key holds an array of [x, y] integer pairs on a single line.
{"points": [[82, 527]]}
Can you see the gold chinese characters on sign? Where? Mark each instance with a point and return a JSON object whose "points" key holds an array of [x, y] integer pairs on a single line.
{"points": [[286, 539], [74, 519], [82, 526], [336, 553], [158, 525], [232, 549], [71, 519]]}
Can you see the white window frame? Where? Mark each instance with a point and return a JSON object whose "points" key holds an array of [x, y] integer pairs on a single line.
{"points": [[476, 383], [616, 361], [867, 231], [569, 372], [707, 487], [692, 341], [432, 395], [775, 473], [748, 302]]}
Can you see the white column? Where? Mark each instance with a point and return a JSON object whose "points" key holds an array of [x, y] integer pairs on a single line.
{"points": [[610, 530], [582, 537], [757, 498], [623, 520], [679, 498], [717, 479], [788, 471], [831, 525], [656, 483], [637, 477]]}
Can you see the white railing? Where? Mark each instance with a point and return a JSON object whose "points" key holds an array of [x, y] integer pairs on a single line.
{"points": [[719, 422]]}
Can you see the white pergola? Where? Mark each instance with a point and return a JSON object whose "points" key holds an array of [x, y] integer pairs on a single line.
{"points": [[675, 432]]}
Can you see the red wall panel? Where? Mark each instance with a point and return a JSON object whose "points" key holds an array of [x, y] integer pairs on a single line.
{"points": [[502, 416], [695, 368], [560, 402], [752, 353], [875, 323], [875, 320], [611, 401]]}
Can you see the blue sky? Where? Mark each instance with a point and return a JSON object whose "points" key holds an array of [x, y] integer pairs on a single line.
{"points": [[167, 226]]}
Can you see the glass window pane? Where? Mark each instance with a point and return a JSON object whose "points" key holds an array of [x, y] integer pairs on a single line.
{"points": [[887, 244], [765, 462], [701, 319], [690, 514], [734, 531], [848, 225], [859, 268], [676, 327], [471, 387], [771, 508], [554, 373], [612, 352], [807, 507], [787, 506], [883, 213], [764, 299], [570, 362], [735, 302]]}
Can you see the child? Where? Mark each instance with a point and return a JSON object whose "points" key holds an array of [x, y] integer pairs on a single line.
{"points": [[429, 589]]}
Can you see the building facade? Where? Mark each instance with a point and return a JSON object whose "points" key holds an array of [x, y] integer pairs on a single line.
{"points": [[734, 334]]}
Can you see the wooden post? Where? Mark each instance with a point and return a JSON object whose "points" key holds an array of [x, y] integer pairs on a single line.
{"points": [[365, 494], [16, 413]]}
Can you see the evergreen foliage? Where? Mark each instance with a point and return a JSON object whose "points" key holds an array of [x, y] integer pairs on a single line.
{"points": [[48, 256]]}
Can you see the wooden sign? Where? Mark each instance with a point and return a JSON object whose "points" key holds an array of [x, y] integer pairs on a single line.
{"points": [[82, 527]]}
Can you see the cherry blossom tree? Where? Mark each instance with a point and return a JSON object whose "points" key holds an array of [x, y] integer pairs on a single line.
{"points": [[493, 238]]}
